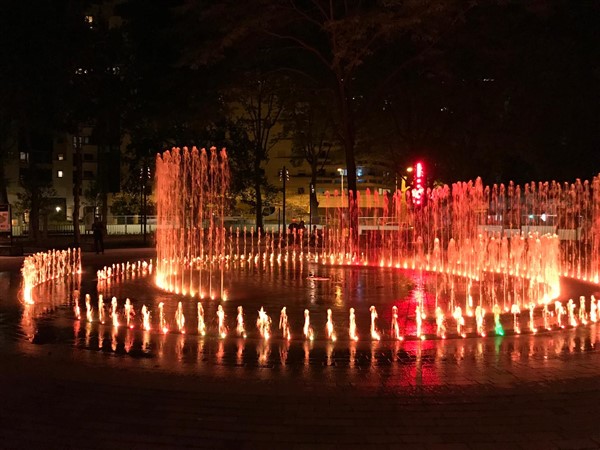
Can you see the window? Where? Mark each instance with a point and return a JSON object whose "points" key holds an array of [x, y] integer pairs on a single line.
{"points": [[88, 175], [88, 156], [23, 156], [61, 156], [80, 140], [59, 174]]}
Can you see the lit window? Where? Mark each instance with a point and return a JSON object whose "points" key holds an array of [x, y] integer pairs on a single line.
{"points": [[60, 174], [23, 156], [61, 156], [89, 20]]}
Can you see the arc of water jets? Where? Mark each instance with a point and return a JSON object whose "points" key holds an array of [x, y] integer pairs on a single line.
{"points": [[571, 315]]}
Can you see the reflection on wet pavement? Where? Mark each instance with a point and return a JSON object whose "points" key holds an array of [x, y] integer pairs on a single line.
{"points": [[389, 362]]}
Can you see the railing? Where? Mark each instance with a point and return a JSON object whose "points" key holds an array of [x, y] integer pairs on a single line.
{"points": [[130, 225], [117, 225]]}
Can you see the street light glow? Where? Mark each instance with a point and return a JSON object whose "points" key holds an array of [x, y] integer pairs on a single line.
{"points": [[342, 172]]}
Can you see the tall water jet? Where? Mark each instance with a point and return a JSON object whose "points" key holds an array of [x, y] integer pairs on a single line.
{"points": [[374, 331], [240, 329], [284, 326], [329, 327], [352, 325], [571, 312], [546, 316], [221, 321], [145, 318], [395, 326], [560, 311], [583, 318], [515, 311], [307, 329], [497, 324], [263, 323], [201, 324], [460, 321], [480, 320], [129, 313], [180, 318], [191, 198], [532, 327], [101, 318], [419, 320], [114, 314], [76, 308], [88, 308], [440, 323], [161, 318]]}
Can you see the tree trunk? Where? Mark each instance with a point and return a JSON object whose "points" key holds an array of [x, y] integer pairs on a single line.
{"points": [[314, 204], [349, 141], [259, 216]]}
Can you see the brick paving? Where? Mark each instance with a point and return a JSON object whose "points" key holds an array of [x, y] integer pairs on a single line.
{"points": [[537, 392]]}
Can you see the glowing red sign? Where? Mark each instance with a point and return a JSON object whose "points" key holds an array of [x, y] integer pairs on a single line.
{"points": [[418, 189]]}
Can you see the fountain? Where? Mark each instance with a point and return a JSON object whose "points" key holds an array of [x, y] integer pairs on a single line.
{"points": [[470, 253], [509, 244], [191, 240]]}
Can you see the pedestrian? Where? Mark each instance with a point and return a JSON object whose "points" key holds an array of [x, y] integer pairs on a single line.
{"points": [[98, 231]]}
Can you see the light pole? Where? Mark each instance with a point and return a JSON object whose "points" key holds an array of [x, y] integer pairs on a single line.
{"points": [[404, 184], [284, 175], [144, 177], [342, 172]]}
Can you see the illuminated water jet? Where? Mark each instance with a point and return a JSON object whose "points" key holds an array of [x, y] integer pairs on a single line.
{"points": [[307, 330], [284, 325], [263, 323]]}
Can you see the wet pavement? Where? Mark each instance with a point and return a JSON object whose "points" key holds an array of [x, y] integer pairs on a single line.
{"points": [[82, 385]]}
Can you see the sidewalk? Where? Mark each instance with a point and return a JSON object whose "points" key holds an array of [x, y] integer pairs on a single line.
{"points": [[521, 392], [52, 398]]}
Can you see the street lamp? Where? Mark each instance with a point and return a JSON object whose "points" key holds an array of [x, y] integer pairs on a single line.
{"points": [[284, 175], [404, 183], [144, 177], [342, 172]]}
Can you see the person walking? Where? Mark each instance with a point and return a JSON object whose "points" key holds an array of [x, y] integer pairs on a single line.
{"points": [[98, 231]]}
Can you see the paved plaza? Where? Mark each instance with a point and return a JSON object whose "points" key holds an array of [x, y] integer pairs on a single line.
{"points": [[519, 392]]}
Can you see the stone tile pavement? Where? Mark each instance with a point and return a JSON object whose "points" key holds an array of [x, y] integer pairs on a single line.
{"points": [[60, 397], [51, 397]]}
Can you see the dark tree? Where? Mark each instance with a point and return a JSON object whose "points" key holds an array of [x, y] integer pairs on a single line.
{"points": [[331, 42], [39, 52]]}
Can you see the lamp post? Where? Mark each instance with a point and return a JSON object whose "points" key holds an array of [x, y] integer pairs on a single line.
{"points": [[284, 175], [404, 183], [341, 172], [144, 177]]}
